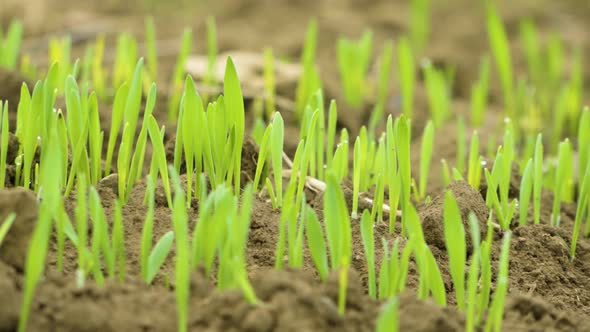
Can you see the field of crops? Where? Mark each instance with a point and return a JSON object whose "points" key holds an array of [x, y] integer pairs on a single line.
{"points": [[274, 165]]}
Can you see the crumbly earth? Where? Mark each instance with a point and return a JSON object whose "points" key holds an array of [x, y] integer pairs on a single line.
{"points": [[546, 290]]}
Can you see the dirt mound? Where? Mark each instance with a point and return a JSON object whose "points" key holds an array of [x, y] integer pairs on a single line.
{"points": [[526, 313], [290, 301], [468, 200], [426, 316], [540, 265], [10, 85], [10, 304], [13, 249]]}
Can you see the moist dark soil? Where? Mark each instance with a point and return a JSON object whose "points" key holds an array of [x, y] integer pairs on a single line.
{"points": [[547, 292]]}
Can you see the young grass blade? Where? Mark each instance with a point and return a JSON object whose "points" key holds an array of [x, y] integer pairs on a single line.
{"points": [[403, 157], [479, 93], [538, 179], [526, 187], [474, 167], [159, 156], [4, 143], [426, 156], [357, 176], [269, 82], [147, 231], [116, 121], [496, 313], [456, 248], [152, 52], [337, 223], [501, 50], [473, 276], [10, 46], [406, 69], [182, 268], [581, 210], [234, 104], [178, 74], [369, 246], [38, 245], [5, 227], [563, 165], [119, 240], [158, 256], [388, 320], [316, 243], [276, 146]]}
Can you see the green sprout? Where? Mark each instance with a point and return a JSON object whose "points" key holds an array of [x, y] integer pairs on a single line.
{"points": [[177, 77], [501, 51], [537, 179], [456, 247], [388, 320], [357, 176], [10, 45], [425, 157], [182, 264], [494, 320], [353, 62], [406, 69], [526, 187], [475, 161], [338, 233], [6, 224], [4, 143], [581, 210], [39, 243], [479, 93], [309, 82], [420, 23], [276, 153], [382, 87], [151, 49], [564, 166], [438, 93], [209, 80], [316, 243], [369, 246], [473, 276]]}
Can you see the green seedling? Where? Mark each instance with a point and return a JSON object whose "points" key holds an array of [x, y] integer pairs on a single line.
{"points": [[473, 276], [475, 163], [407, 76], [151, 49], [10, 45], [6, 224], [581, 210], [501, 51], [420, 24], [494, 320], [479, 93], [537, 179], [388, 320], [426, 156], [564, 166], [309, 82], [456, 247], [276, 154], [4, 143], [177, 77], [438, 93], [369, 246], [382, 87], [353, 62], [526, 188]]}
